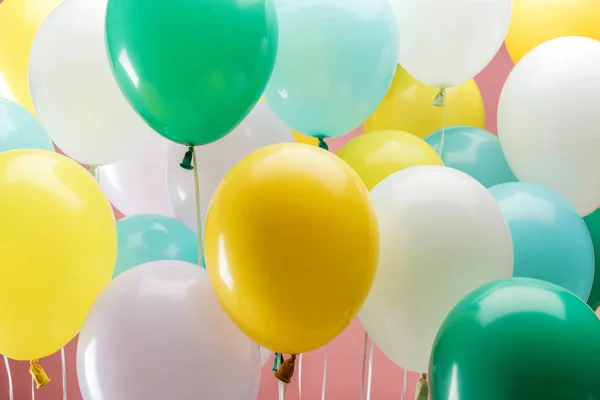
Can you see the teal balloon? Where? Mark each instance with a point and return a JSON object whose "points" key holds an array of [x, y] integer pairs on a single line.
{"points": [[336, 61], [19, 129], [193, 69], [593, 224], [145, 238], [517, 339], [475, 152], [551, 241]]}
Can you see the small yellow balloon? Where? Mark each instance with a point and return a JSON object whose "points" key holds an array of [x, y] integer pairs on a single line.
{"points": [[537, 21], [376, 155], [292, 246], [58, 247], [408, 106]]}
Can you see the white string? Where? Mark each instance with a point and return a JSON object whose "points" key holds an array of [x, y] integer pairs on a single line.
{"points": [[323, 389], [300, 377], [64, 372], [32, 388], [281, 389], [364, 367], [404, 385], [370, 373], [198, 215], [11, 395], [444, 110]]}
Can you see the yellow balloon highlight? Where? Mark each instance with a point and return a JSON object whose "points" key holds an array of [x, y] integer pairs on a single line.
{"points": [[537, 21], [377, 155], [408, 106], [19, 22], [292, 246], [58, 247]]}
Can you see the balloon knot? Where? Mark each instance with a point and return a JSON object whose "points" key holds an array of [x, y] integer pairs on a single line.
{"points": [[322, 144], [422, 392], [38, 374], [93, 171], [440, 98], [286, 370], [187, 159]]}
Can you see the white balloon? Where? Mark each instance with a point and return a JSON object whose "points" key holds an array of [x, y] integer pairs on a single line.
{"points": [[444, 43], [265, 354], [73, 89], [260, 128], [137, 184], [442, 236], [158, 332], [549, 119]]}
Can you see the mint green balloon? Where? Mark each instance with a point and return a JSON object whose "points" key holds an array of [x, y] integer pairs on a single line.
{"points": [[193, 69], [20, 129]]}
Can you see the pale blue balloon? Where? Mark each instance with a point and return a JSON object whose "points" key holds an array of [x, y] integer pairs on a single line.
{"points": [[335, 63], [19, 129], [475, 152], [550, 239]]}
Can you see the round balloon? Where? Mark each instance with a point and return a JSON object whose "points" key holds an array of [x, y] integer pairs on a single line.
{"points": [[193, 80], [377, 155], [592, 222], [288, 217], [164, 314], [261, 128], [408, 106], [473, 151], [442, 235], [19, 129], [58, 246], [74, 92], [547, 123], [317, 93], [449, 42], [500, 342]]}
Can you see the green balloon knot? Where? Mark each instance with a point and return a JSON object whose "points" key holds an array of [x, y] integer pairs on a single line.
{"points": [[187, 159], [322, 144]]}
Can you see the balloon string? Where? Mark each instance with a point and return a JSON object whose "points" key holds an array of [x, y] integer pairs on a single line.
{"points": [[404, 385], [370, 373], [281, 389], [324, 387], [64, 372], [440, 101], [300, 377], [32, 388], [11, 395], [198, 215], [364, 367]]}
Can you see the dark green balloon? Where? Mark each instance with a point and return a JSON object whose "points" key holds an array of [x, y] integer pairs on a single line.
{"points": [[593, 223], [517, 339], [193, 69]]}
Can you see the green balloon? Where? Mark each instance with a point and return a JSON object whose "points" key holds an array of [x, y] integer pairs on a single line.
{"points": [[193, 69], [593, 223], [517, 339]]}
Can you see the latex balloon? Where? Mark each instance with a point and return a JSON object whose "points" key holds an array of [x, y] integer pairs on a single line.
{"points": [[450, 41], [271, 208], [499, 343], [593, 224], [137, 184], [547, 125], [164, 314], [377, 155], [261, 128], [58, 245], [300, 138], [537, 21], [475, 152], [182, 78], [19, 129], [442, 235], [408, 106], [147, 238], [550, 239], [324, 96], [19, 21]]}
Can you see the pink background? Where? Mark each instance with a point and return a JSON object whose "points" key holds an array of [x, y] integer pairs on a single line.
{"points": [[345, 353]]}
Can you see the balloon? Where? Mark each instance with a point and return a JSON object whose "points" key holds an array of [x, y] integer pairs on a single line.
{"points": [[146, 238], [261, 128], [286, 217], [475, 152], [500, 342], [194, 79], [442, 235], [537, 21], [593, 224], [19, 21], [449, 42], [19, 129], [137, 184], [408, 106], [547, 123], [377, 155], [58, 245], [300, 138], [322, 94], [73, 90], [164, 315]]}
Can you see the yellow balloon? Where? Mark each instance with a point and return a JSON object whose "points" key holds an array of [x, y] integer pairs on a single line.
{"points": [[537, 21], [408, 106], [19, 22], [292, 246], [58, 247], [300, 138], [376, 155]]}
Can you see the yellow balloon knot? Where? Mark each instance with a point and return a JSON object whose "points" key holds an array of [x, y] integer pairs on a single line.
{"points": [[422, 388], [38, 374], [286, 370]]}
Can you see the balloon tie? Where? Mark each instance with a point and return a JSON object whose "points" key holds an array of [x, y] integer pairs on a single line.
{"points": [[38, 374], [11, 395], [187, 159], [323, 144], [422, 388], [198, 212], [286, 369]]}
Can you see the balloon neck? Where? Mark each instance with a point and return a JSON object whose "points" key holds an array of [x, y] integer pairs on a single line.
{"points": [[323, 144], [286, 369], [422, 392], [440, 98], [38, 374], [187, 159]]}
